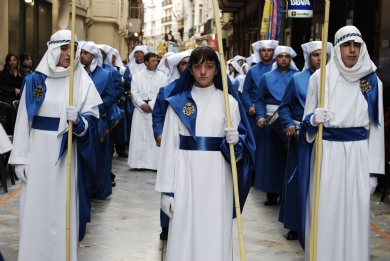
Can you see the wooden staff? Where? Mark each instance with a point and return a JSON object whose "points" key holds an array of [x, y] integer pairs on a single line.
{"points": [[70, 132], [317, 167], [229, 125]]}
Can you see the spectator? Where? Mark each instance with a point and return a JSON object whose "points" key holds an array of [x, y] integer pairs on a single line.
{"points": [[10, 79], [26, 64]]}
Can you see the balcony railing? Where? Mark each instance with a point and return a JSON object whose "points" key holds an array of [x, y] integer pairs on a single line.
{"points": [[166, 19], [166, 2]]}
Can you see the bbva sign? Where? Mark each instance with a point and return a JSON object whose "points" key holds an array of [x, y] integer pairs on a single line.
{"points": [[300, 8]]}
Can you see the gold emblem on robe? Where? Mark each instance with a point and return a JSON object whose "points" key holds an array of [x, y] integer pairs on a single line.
{"points": [[38, 93], [365, 86], [188, 109]]}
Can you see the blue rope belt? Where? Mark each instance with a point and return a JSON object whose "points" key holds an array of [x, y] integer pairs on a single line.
{"points": [[344, 134], [201, 143], [45, 123]]}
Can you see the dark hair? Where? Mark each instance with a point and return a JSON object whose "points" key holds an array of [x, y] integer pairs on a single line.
{"points": [[23, 57], [235, 71], [148, 56], [8, 58], [203, 54]]}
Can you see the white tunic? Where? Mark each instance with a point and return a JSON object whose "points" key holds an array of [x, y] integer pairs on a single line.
{"points": [[201, 227], [344, 202], [143, 152], [42, 227]]}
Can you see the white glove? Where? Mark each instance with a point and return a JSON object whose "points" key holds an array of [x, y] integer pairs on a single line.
{"points": [[231, 135], [21, 172], [319, 116], [72, 114], [167, 205], [373, 184]]}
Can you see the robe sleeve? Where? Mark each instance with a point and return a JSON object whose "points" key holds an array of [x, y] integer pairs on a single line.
{"points": [[108, 96], [260, 99], [311, 103], [20, 153], [376, 139], [246, 95], [5, 143], [117, 84], [135, 91], [286, 105], [169, 150], [158, 114], [162, 82], [126, 77]]}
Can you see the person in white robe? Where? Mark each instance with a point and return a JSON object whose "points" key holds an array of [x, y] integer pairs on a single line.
{"points": [[241, 78], [5, 143], [352, 149], [239, 59], [143, 152], [193, 175], [41, 123], [163, 65]]}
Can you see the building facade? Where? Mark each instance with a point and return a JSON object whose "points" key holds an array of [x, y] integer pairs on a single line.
{"points": [[26, 27]]}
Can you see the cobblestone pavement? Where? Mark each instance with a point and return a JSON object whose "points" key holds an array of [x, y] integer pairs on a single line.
{"points": [[126, 226]]}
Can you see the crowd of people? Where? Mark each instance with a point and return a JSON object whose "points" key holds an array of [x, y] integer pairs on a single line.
{"points": [[169, 116]]}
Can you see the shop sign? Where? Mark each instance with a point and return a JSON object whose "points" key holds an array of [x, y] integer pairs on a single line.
{"points": [[300, 9]]}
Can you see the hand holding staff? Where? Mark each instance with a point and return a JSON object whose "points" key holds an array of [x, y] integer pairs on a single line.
{"points": [[317, 168], [229, 125], [70, 131]]}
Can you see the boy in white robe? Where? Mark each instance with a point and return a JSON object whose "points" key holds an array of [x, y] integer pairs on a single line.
{"points": [[352, 151], [143, 152], [39, 153], [194, 175]]}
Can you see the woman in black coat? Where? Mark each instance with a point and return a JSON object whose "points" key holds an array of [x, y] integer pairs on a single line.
{"points": [[10, 79]]}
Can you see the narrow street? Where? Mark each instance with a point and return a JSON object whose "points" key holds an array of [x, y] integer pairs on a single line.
{"points": [[126, 226]]}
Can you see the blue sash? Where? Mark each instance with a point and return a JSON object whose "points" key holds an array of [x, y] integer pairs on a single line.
{"points": [[344, 134], [201, 143], [45, 123]]}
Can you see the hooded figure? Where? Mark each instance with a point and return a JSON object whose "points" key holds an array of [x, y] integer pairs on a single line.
{"points": [[352, 151], [194, 173], [40, 158], [177, 62], [239, 59], [272, 152], [162, 66], [291, 114], [252, 80], [285, 49], [104, 82], [241, 78], [251, 60]]}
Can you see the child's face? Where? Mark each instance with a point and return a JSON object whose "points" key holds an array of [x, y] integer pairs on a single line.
{"points": [[204, 73]]}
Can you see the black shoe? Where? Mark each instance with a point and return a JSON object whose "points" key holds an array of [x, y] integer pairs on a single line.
{"points": [[163, 236], [292, 235], [113, 184], [123, 154], [270, 202]]}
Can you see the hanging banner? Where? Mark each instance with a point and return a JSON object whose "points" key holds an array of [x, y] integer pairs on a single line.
{"points": [[300, 9]]}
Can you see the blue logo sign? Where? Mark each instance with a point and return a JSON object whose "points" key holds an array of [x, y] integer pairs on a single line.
{"points": [[300, 8]]}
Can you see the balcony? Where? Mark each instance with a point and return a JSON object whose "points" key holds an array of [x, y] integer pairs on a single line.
{"points": [[191, 31], [166, 19], [166, 2]]}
